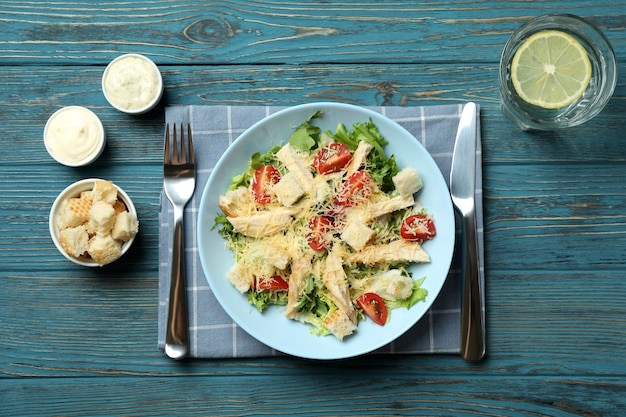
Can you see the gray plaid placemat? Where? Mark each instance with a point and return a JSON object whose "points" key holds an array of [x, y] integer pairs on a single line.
{"points": [[212, 332]]}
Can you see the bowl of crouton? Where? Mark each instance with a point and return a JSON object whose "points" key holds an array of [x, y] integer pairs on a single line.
{"points": [[93, 222]]}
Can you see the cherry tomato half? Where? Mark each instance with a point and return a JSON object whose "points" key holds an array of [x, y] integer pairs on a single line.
{"points": [[273, 283], [319, 228], [332, 158], [374, 306], [264, 176], [418, 227], [355, 189]]}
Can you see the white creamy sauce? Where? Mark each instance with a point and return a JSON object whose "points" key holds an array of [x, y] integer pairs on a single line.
{"points": [[74, 134], [132, 83]]}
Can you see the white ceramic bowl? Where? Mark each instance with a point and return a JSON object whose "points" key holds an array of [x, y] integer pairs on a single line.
{"points": [[74, 136], [74, 190], [132, 83]]}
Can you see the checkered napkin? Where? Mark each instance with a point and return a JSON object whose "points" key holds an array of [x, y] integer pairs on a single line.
{"points": [[212, 332]]}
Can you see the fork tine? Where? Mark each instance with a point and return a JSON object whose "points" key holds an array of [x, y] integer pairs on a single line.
{"points": [[190, 144], [175, 147], [166, 152], [183, 155]]}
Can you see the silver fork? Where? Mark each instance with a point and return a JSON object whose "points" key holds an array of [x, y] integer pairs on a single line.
{"points": [[179, 182]]}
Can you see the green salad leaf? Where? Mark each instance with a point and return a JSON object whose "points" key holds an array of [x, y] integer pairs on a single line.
{"points": [[262, 299], [315, 305], [306, 136], [241, 180], [342, 135], [267, 158]]}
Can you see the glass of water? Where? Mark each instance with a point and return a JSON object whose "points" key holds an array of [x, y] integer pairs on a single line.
{"points": [[597, 93]]}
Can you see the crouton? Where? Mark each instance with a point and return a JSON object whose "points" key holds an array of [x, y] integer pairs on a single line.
{"points": [[357, 234], [340, 324], [407, 182]]}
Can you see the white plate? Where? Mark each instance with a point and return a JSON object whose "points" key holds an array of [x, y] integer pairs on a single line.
{"points": [[272, 327]]}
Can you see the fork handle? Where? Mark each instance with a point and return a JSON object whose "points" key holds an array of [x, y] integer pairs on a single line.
{"points": [[177, 331]]}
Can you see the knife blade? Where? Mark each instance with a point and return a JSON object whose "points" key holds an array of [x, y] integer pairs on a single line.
{"points": [[462, 190]]}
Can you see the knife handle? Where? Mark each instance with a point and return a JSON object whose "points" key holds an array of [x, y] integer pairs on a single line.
{"points": [[472, 311]]}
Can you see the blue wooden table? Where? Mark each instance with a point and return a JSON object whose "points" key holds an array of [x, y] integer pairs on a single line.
{"points": [[82, 342]]}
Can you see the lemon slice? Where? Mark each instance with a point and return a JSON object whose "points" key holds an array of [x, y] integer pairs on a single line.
{"points": [[551, 69]]}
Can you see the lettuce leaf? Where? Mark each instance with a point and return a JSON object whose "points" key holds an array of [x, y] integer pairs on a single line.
{"points": [[306, 136], [241, 180], [268, 158], [263, 299]]}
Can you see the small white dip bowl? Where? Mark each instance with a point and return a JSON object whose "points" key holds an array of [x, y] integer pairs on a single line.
{"points": [[74, 136], [132, 83]]}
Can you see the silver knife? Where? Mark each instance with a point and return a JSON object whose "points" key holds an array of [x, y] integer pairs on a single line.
{"points": [[462, 189]]}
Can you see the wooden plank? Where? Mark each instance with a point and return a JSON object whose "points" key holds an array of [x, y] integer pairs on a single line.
{"points": [[276, 32], [363, 392], [561, 217]]}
